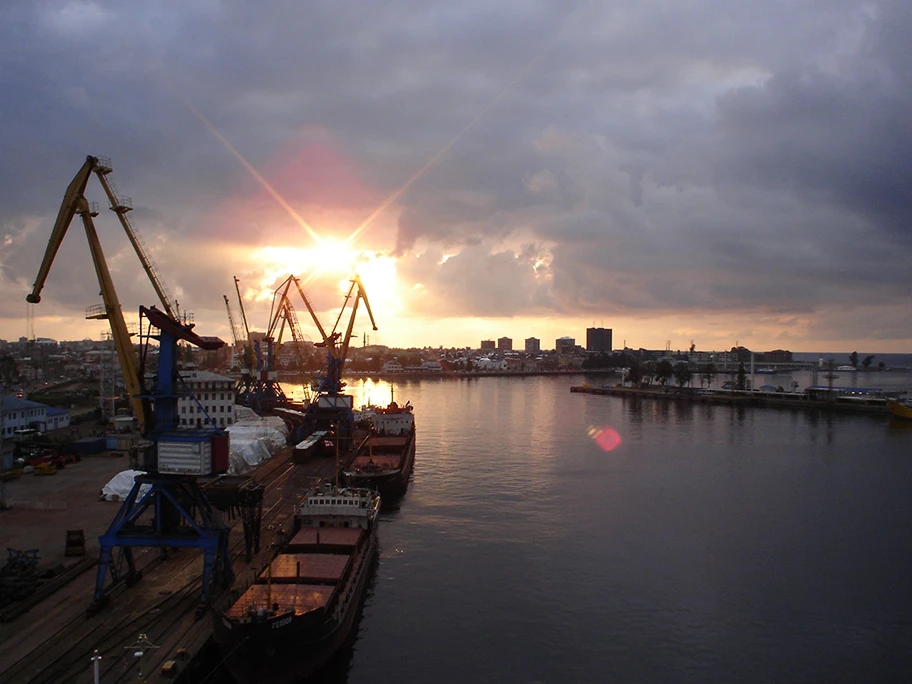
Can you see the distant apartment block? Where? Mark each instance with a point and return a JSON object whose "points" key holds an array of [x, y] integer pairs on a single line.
{"points": [[488, 345], [564, 345], [533, 345], [505, 344], [598, 339]]}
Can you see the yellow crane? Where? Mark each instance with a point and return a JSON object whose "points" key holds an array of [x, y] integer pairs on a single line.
{"points": [[74, 202]]}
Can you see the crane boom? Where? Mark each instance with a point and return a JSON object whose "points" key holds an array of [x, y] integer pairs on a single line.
{"points": [[361, 294], [310, 309], [337, 352], [74, 202], [237, 286], [126, 355], [278, 307], [120, 206], [235, 335], [68, 209]]}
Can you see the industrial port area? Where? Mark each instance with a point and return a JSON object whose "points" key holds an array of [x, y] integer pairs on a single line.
{"points": [[204, 556], [455, 343], [142, 536]]}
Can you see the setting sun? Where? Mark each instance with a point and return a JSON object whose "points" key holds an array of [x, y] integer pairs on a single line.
{"points": [[378, 273]]}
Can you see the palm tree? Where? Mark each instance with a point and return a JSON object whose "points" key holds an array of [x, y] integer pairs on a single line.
{"points": [[635, 373], [682, 374], [742, 377], [707, 374], [649, 372], [664, 371]]}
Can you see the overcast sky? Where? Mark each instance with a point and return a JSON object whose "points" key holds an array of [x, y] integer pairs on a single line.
{"points": [[716, 171]]}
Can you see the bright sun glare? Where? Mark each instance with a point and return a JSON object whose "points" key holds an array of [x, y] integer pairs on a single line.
{"points": [[333, 257]]}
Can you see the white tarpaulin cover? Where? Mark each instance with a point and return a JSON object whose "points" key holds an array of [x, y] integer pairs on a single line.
{"points": [[121, 484], [254, 439]]}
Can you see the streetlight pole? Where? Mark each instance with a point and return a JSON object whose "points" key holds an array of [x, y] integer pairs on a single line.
{"points": [[96, 661]]}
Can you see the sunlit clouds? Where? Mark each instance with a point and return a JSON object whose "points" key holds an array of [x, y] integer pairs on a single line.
{"points": [[708, 172]]}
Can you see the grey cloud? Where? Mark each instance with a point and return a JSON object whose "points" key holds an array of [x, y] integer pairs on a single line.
{"points": [[715, 156]]}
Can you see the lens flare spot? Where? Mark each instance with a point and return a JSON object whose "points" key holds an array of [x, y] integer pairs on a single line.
{"points": [[606, 437]]}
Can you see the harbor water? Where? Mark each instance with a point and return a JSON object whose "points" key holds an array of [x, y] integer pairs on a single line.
{"points": [[550, 537]]}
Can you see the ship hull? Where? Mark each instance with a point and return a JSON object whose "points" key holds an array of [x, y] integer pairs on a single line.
{"points": [[305, 603], [900, 410], [278, 653], [391, 482]]}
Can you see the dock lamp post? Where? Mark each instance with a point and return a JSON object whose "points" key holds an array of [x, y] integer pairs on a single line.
{"points": [[96, 663]]}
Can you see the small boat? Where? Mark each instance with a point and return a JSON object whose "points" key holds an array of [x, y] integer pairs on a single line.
{"points": [[304, 605], [385, 459], [900, 409], [765, 371]]}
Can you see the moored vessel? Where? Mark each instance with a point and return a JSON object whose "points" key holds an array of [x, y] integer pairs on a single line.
{"points": [[385, 459], [900, 409], [304, 605]]}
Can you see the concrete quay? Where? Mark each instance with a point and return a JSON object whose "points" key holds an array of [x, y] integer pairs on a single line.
{"points": [[54, 639]]}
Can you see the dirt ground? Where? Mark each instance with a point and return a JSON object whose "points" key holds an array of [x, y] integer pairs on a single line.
{"points": [[44, 507]]}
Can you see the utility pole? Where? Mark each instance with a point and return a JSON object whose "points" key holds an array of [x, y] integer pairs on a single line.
{"points": [[141, 646]]}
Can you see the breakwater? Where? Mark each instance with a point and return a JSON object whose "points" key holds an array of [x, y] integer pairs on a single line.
{"points": [[861, 403]]}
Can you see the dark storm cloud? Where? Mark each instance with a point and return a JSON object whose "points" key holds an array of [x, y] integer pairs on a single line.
{"points": [[660, 156]]}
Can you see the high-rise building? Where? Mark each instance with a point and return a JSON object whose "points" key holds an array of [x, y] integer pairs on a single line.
{"points": [[564, 345], [598, 339], [533, 345], [487, 345], [505, 344]]}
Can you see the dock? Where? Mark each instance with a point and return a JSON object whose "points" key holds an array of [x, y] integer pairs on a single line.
{"points": [[822, 401], [152, 631]]}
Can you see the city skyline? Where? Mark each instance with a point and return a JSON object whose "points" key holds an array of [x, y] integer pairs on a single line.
{"points": [[711, 174]]}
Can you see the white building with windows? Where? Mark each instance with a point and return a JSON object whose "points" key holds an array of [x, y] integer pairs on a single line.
{"points": [[213, 395], [392, 366], [20, 414]]}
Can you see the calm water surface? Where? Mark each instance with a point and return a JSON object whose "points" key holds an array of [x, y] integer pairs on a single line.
{"points": [[712, 545]]}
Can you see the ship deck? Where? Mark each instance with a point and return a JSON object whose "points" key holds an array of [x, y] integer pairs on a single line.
{"points": [[299, 598], [307, 567], [380, 462]]}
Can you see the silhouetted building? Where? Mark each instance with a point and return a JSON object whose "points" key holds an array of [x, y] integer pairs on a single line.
{"points": [[564, 345], [778, 356], [533, 345], [598, 339], [505, 344], [487, 345]]}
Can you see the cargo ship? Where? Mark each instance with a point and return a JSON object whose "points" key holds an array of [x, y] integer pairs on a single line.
{"points": [[304, 605], [384, 460]]}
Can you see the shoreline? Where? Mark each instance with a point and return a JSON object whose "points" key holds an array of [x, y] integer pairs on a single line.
{"points": [[748, 398]]}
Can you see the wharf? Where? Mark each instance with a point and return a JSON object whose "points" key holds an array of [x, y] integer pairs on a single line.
{"points": [[55, 639], [746, 398]]}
